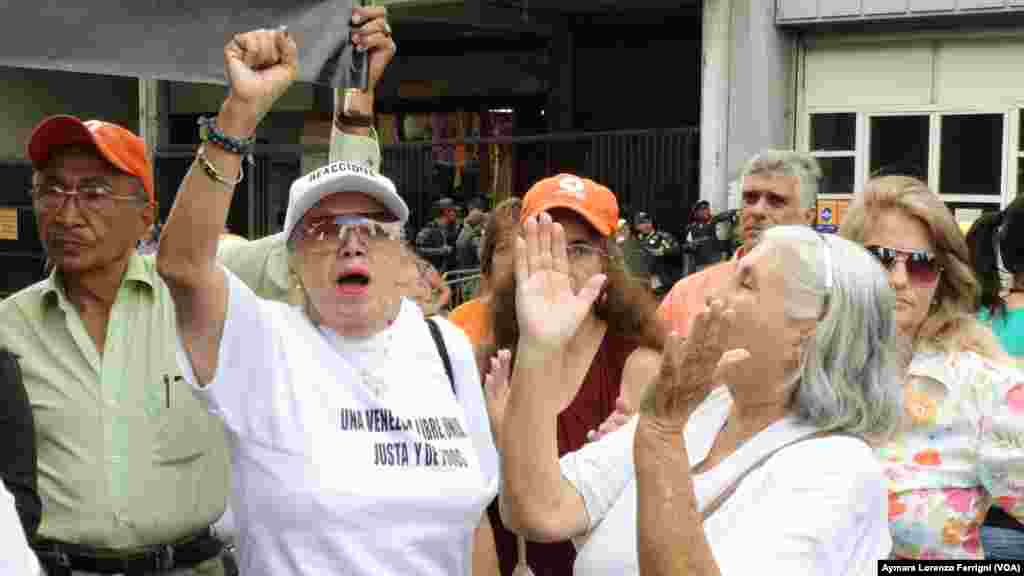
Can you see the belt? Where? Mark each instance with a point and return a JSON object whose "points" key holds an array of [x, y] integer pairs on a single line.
{"points": [[61, 557]]}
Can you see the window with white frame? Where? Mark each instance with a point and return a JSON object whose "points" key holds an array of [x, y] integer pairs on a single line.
{"points": [[834, 144], [962, 155], [899, 145]]}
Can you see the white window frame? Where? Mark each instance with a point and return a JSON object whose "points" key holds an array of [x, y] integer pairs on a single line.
{"points": [[837, 153], [1003, 165], [1012, 155]]}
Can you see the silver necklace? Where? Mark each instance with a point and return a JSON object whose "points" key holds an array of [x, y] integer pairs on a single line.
{"points": [[377, 385]]}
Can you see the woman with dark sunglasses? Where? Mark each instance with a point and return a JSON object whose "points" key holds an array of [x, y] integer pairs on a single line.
{"points": [[996, 243], [960, 449]]}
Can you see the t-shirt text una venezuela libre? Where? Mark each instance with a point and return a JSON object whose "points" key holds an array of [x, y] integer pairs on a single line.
{"points": [[349, 456]]}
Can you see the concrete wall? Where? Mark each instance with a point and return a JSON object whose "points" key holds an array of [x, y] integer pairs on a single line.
{"points": [[749, 92], [30, 95]]}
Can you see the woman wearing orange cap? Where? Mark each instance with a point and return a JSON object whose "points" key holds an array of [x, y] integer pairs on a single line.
{"points": [[614, 348]]}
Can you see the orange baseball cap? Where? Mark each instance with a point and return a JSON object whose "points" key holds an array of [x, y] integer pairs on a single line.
{"points": [[119, 146], [591, 200]]}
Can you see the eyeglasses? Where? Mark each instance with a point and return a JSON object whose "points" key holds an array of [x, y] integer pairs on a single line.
{"points": [[922, 266], [327, 234], [92, 196], [582, 250]]}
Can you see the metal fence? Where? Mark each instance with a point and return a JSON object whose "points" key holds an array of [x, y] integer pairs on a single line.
{"points": [[257, 201], [21, 256], [648, 170], [463, 285]]}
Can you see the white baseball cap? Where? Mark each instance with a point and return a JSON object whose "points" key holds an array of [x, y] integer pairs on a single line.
{"points": [[338, 177]]}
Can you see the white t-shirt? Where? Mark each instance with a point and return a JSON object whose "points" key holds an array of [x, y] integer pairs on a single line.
{"points": [[349, 456], [16, 558], [817, 507]]}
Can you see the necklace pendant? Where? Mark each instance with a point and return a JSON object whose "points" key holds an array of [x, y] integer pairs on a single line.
{"points": [[375, 385]]}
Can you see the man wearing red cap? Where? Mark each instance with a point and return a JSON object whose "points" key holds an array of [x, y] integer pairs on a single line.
{"points": [[96, 341], [133, 471]]}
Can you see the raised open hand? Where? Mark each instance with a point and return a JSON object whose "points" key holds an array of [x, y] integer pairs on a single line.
{"points": [[617, 419], [496, 390], [547, 309], [691, 368], [260, 66]]}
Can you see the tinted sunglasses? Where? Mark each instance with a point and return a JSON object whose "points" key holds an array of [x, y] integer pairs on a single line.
{"points": [[922, 266]]}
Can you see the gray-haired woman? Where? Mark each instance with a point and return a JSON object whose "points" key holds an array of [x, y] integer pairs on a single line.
{"points": [[768, 474]]}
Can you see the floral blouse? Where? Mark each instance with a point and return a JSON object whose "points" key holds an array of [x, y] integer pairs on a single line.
{"points": [[961, 452]]}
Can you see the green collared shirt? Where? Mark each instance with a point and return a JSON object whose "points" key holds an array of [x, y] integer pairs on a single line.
{"points": [[261, 264], [127, 456]]}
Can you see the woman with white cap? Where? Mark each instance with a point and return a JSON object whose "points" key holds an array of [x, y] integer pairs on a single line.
{"points": [[360, 442]]}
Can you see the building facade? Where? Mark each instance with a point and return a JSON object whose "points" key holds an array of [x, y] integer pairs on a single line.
{"points": [[921, 87]]}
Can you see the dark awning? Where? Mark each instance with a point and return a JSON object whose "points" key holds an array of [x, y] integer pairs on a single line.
{"points": [[169, 39]]}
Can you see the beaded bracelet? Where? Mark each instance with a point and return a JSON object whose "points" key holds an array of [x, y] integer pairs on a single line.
{"points": [[212, 172], [208, 132]]}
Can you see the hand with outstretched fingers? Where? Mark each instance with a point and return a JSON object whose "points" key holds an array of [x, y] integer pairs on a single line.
{"points": [[617, 419], [548, 311], [691, 368], [496, 389]]}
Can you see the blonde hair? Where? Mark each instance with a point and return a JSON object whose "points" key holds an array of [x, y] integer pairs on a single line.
{"points": [[950, 326]]}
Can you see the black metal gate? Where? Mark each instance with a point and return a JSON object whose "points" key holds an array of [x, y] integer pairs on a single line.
{"points": [[648, 170], [257, 206], [21, 257]]}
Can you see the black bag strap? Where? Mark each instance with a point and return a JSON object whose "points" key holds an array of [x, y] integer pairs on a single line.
{"points": [[435, 333], [9, 367]]}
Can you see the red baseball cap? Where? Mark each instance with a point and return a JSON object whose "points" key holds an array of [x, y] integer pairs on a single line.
{"points": [[119, 146], [594, 202]]}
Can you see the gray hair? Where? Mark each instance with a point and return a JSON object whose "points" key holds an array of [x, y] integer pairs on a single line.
{"points": [[788, 163], [849, 377]]}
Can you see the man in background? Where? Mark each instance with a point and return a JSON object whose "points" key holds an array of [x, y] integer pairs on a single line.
{"points": [[661, 251], [436, 241]]}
